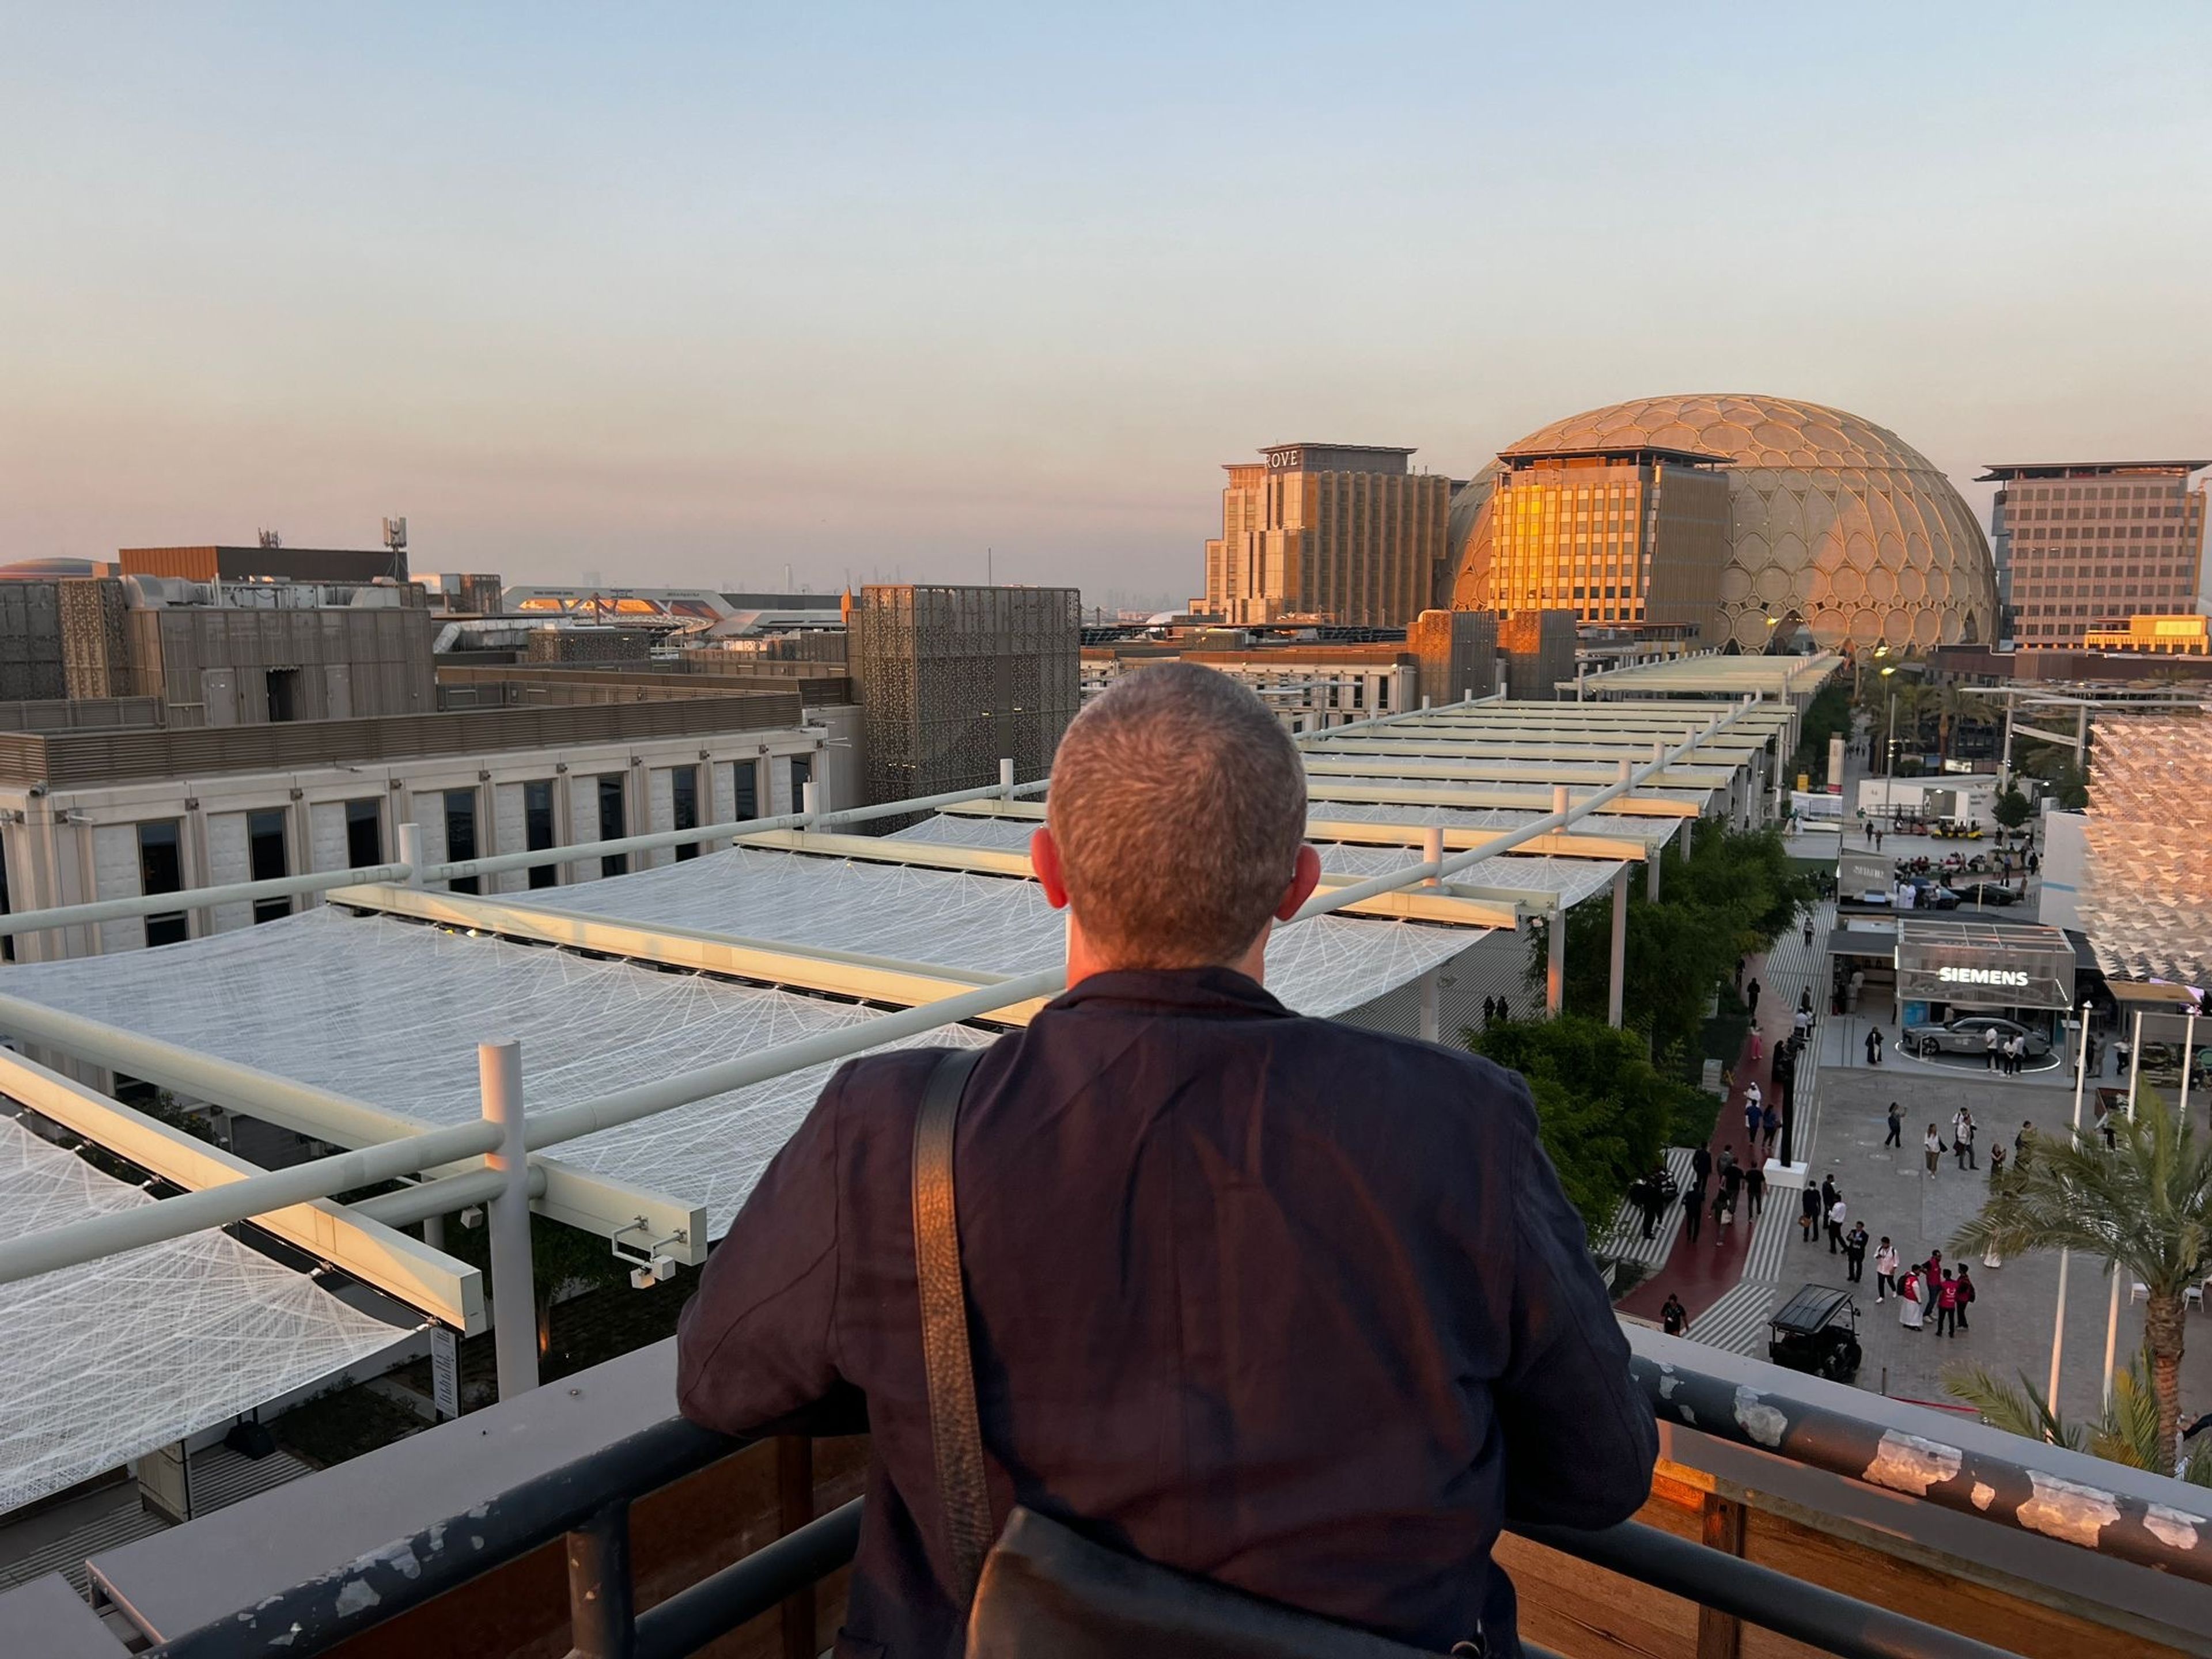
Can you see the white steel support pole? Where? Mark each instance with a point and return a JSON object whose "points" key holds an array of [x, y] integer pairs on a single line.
{"points": [[1006, 776], [410, 851], [2066, 1257], [809, 801], [1432, 853], [434, 1231], [1430, 1018], [514, 1302], [1555, 936], [2188, 1055], [1613, 988], [2113, 1313]]}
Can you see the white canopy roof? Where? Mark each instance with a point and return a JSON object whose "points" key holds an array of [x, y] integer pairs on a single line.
{"points": [[106, 1362]]}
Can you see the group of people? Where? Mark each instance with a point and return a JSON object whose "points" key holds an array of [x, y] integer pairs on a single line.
{"points": [[1965, 1133], [1731, 1184], [1495, 1008], [1821, 1209], [2006, 1054], [1923, 1290]]}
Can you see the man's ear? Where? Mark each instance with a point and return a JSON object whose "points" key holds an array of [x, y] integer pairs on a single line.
{"points": [[1305, 876], [1044, 859]]}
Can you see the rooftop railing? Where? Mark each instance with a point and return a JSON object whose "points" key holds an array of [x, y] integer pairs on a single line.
{"points": [[587, 1502]]}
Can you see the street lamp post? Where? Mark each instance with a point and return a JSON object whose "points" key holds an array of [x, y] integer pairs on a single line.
{"points": [[1889, 746]]}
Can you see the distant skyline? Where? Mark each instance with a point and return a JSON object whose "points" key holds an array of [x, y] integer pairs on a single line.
{"points": [[686, 295]]}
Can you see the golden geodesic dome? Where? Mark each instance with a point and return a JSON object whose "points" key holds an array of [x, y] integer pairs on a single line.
{"points": [[1832, 518]]}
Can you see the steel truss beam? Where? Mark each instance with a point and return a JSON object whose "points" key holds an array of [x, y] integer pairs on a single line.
{"points": [[809, 968], [402, 1267], [1449, 904]]}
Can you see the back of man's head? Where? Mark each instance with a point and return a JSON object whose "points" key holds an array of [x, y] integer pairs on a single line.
{"points": [[1178, 804]]}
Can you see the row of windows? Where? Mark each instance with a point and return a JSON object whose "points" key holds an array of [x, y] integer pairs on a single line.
{"points": [[2112, 533], [2092, 492], [2159, 610], [160, 855]]}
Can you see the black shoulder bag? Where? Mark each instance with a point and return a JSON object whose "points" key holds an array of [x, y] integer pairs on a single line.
{"points": [[1043, 1588]]}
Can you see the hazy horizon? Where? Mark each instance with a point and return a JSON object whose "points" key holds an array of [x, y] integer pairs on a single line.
{"points": [[685, 296]]}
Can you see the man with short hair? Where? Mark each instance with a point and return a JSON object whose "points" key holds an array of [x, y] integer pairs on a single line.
{"points": [[1291, 1304]]}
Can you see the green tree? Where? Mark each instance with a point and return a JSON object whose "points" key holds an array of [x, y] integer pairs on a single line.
{"points": [[2013, 809], [1603, 1112], [561, 1257], [2144, 1208], [1828, 715], [1955, 704], [1734, 895], [2127, 1433]]}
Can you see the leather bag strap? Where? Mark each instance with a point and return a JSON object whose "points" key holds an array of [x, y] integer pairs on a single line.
{"points": [[956, 1429]]}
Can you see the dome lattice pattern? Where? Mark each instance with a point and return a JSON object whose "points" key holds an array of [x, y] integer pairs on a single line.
{"points": [[1834, 518]]}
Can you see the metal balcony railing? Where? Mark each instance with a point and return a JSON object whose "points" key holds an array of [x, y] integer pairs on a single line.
{"points": [[589, 1500]]}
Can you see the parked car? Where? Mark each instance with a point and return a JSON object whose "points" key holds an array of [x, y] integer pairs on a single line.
{"points": [[1816, 1332], [1930, 894], [1968, 1034], [1986, 892]]}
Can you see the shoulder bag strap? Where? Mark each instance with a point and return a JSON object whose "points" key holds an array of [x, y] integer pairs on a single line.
{"points": [[955, 1427]]}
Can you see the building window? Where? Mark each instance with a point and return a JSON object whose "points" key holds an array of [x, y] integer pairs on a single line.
{"points": [[283, 694], [364, 825], [537, 830], [611, 823], [461, 836], [267, 861], [683, 798], [802, 773], [744, 788], [161, 869]]}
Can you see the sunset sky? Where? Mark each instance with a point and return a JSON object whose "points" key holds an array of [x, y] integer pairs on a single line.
{"points": [[684, 295]]}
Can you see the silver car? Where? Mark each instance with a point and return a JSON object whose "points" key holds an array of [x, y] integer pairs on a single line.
{"points": [[1969, 1035]]}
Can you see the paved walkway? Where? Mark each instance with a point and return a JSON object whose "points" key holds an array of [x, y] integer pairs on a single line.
{"points": [[1707, 1272]]}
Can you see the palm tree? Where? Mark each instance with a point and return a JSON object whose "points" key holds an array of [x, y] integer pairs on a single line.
{"points": [[2144, 1208], [1954, 703], [2127, 1433]]}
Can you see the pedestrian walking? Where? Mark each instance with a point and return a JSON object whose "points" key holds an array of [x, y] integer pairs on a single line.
{"points": [[1809, 930], [1855, 1249], [1931, 1276], [1505, 1014], [1732, 1181], [1965, 1285], [1694, 1212], [1674, 1317], [1701, 1166], [1809, 1212], [1805, 1000], [1751, 999], [2022, 1144], [1770, 1121], [1752, 1117], [1836, 1226], [1962, 1138], [1947, 1305], [1724, 1213], [1489, 1009], [1996, 1161], [1896, 1127], [1886, 1264], [1754, 1190], [1908, 1302], [1874, 1045], [1934, 1148]]}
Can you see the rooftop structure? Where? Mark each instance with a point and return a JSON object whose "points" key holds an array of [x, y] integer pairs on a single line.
{"points": [[266, 562]]}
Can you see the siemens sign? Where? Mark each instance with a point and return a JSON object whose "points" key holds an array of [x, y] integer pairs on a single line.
{"points": [[1982, 976]]}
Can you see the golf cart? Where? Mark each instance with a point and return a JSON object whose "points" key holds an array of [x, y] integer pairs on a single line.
{"points": [[1957, 829], [1816, 1332]]}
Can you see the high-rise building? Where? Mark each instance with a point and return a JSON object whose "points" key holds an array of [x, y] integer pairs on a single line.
{"points": [[1633, 533], [952, 679], [1343, 532], [2081, 542]]}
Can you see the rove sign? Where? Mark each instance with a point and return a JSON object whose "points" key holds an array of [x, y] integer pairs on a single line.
{"points": [[1982, 976]]}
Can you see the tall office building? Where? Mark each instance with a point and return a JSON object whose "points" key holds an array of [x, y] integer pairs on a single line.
{"points": [[1630, 533], [951, 679], [2078, 543], [1346, 533]]}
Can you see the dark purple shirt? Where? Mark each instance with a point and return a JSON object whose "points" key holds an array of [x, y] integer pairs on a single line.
{"points": [[1294, 1305]]}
